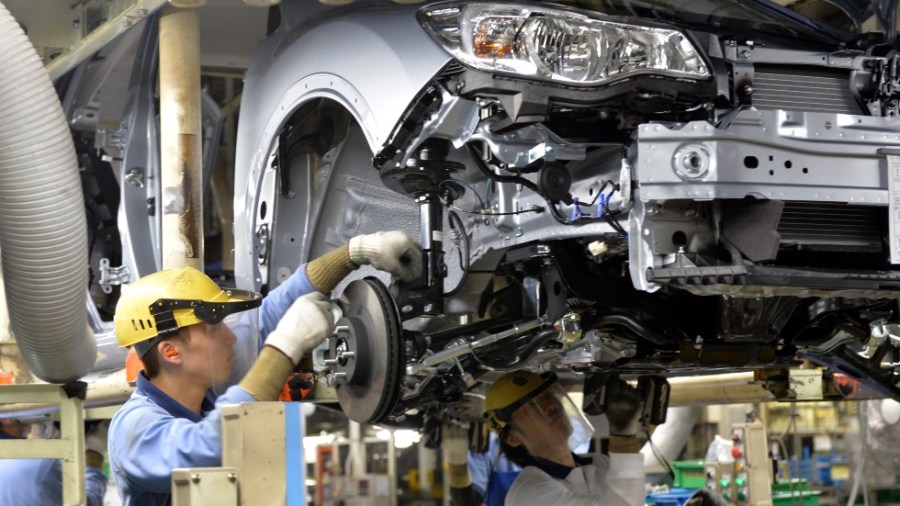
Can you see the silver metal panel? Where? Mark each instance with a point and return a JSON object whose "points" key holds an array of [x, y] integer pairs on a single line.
{"points": [[292, 66], [749, 54], [797, 156]]}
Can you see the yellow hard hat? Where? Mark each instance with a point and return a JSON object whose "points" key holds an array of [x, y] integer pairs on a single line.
{"points": [[512, 391], [159, 304]]}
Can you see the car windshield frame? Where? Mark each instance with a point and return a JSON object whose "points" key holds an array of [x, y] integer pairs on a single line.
{"points": [[759, 16]]}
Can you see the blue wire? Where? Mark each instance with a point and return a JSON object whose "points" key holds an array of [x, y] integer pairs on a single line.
{"points": [[576, 213]]}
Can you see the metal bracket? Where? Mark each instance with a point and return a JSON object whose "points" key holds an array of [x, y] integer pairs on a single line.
{"points": [[112, 276], [135, 177], [262, 242], [528, 144], [464, 347]]}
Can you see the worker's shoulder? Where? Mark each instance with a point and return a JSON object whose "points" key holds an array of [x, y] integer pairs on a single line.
{"points": [[137, 406], [530, 486]]}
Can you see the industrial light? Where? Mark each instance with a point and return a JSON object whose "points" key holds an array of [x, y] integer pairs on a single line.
{"points": [[559, 45], [405, 438]]}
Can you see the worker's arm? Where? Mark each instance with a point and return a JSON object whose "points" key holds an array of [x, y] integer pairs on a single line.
{"points": [[617, 480], [480, 466], [534, 487], [624, 478], [96, 443], [146, 442], [94, 482], [624, 474], [393, 252]]}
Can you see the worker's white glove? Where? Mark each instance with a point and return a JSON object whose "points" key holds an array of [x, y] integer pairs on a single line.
{"points": [[393, 252], [304, 325], [455, 443], [624, 409], [95, 439], [471, 407]]}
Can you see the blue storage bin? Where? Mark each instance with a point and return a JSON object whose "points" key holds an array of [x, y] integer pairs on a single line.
{"points": [[804, 470], [674, 497]]}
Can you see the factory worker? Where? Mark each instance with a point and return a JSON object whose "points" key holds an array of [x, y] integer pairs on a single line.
{"points": [[535, 420], [191, 335]]}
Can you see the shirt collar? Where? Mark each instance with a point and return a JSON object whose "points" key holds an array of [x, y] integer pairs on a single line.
{"points": [[558, 471], [163, 400]]}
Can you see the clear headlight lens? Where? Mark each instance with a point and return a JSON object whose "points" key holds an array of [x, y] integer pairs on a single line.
{"points": [[558, 45]]}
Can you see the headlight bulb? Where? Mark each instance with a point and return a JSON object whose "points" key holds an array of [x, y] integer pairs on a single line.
{"points": [[558, 47]]}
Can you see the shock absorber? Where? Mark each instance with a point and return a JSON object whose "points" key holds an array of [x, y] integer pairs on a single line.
{"points": [[427, 178], [431, 227]]}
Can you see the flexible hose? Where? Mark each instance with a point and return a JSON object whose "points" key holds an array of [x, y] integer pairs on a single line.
{"points": [[43, 234]]}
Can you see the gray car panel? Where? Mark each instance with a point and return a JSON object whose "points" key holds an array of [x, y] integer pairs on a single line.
{"points": [[392, 60]]}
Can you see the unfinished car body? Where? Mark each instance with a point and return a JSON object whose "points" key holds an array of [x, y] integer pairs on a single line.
{"points": [[644, 187]]}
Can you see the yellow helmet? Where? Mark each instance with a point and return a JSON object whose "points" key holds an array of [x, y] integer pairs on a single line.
{"points": [[159, 304], [512, 391]]}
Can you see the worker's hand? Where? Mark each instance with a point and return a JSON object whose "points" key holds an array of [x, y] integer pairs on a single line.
{"points": [[96, 437], [393, 252], [624, 409], [471, 407], [455, 443], [304, 325]]}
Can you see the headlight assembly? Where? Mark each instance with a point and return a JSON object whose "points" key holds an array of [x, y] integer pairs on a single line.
{"points": [[558, 45]]}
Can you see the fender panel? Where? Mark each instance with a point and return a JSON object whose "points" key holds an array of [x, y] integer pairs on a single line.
{"points": [[372, 60]]}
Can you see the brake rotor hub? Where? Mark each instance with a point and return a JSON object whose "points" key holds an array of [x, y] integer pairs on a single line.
{"points": [[366, 356]]}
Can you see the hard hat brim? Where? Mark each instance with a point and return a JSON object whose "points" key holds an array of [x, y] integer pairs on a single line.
{"points": [[211, 312], [504, 414]]}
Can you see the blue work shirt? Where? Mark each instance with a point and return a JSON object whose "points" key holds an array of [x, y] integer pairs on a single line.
{"points": [[153, 433], [491, 469], [38, 482]]}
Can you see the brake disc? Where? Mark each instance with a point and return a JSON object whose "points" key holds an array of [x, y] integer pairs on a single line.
{"points": [[367, 353]]}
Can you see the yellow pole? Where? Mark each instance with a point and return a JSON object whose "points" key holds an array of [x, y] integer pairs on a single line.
{"points": [[180, 124]]}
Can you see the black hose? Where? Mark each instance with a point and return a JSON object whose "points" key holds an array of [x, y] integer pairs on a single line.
{"points": [[638, 329], [516, 361], [479, 162]]}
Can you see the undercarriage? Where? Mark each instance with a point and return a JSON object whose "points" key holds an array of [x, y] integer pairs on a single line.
{"points": [[737, 213]]}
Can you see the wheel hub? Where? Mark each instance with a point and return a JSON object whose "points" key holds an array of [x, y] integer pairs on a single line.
{"points": [[366, 358]]}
